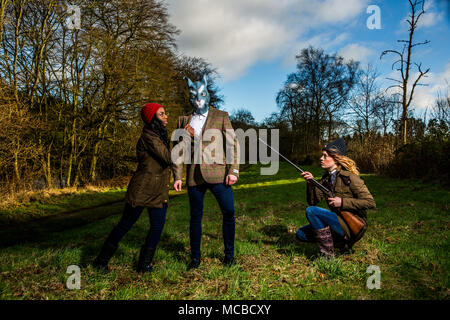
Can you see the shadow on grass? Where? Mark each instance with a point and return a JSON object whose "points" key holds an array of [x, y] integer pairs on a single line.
{"points": [[173, 246], [285, 242], [42, 229], [167, 243], [278, 236], [41, 234]]}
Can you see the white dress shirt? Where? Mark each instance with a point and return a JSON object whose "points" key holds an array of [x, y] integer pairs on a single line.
{"points": [[198, 122]]}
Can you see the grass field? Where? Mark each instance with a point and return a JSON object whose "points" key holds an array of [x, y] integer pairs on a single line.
{"points": [[407, 238]]}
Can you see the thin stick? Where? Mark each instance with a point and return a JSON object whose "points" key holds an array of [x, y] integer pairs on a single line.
{"points": [[317, 183], [289, 161]]}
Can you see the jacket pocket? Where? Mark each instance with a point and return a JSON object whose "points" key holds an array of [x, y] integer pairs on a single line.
{"points": [[135, 183], [153, 183], [150, 189]]}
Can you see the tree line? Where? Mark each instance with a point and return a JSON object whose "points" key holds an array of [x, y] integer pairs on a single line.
{"points": [[70, 97], [328, 97]]}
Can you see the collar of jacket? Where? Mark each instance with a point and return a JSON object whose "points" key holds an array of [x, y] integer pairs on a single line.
{"points": [[150, 132], [327, 173], [339, 171]]}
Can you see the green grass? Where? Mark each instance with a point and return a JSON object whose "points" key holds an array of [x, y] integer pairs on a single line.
{"points": [[407, 238]]}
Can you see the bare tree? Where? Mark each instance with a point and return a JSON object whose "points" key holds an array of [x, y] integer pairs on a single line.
{"points": [[70, 98], [439, 124], [295, 106], [316, 93], [366, 101], [441, 110], [386, 112], [404, 62], [3, 5]]}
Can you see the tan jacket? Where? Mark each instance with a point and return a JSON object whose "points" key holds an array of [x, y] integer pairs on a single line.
{"points": [[209, 171]]}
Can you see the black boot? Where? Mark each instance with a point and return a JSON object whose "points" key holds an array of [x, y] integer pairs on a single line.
{"points": [[229, 262], [194, 264], [106, 253], [145, 259], [325, 242]]}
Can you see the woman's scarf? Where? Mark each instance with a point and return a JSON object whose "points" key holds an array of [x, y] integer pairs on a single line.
{"points": [[157, 127]]}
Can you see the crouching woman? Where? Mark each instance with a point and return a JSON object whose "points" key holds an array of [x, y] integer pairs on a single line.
{"points": [[148, 188], [327, 227]]}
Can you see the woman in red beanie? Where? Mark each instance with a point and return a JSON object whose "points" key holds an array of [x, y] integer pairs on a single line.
{"points": [[148, 188]]}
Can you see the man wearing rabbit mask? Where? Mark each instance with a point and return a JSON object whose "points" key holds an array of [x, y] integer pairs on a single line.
{"points": [[217, 176]]}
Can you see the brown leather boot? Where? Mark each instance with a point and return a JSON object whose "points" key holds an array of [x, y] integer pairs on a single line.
{"points": [[325, 242]]}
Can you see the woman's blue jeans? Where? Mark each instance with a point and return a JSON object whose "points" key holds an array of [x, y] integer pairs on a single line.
{"points": [[129, 218], [319, 218], [224, 196]]}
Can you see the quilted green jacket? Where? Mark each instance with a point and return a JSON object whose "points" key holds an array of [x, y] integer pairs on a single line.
{"points": [[149, 186]]}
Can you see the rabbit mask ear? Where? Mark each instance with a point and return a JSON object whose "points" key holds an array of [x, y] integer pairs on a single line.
{"points": [[189, 82]]}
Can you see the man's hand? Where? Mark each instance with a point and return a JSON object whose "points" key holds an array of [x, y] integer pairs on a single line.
{"points": [[335, 202], [231, 179], [189, 129], [177, 185]]}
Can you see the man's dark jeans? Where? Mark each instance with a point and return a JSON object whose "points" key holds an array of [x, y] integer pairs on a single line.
{"points": [[224, 196]]}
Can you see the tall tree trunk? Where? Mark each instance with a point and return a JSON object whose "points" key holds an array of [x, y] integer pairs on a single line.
{"points": [[404, 125], [16, 54], [16, 163], [96, 153], [49, 167], [78, 173], [72, 152], [3, 4]]}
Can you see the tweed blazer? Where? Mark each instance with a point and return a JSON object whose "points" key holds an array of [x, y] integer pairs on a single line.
{"points": [[213, 168]]}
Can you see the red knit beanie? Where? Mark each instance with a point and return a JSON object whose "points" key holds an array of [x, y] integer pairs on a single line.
{"points": [[148, 111]]}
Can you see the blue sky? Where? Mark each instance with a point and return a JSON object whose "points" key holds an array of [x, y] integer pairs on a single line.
{"points": [[253, 43]]}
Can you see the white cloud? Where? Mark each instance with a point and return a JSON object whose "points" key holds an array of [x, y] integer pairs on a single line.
{"points": [[356, 52], [332, 11], [324, 40], [431, 17], [234, 34], [442, 81], [436, 83], [425, 96]]}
